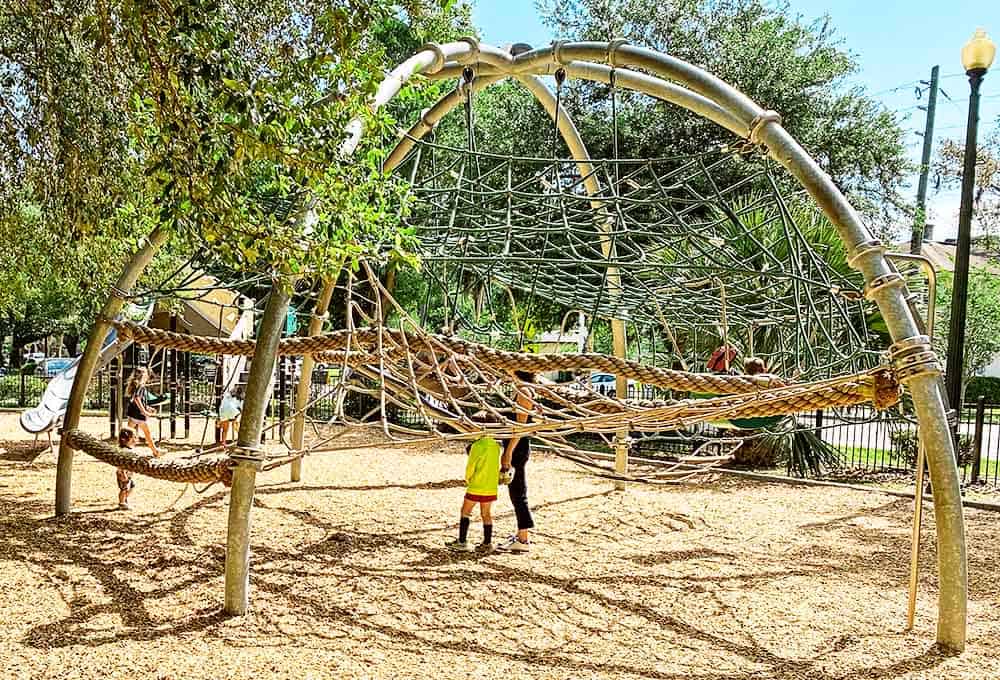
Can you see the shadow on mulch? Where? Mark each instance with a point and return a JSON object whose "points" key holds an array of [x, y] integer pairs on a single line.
{"points": [[23, 450], [82, 541]]}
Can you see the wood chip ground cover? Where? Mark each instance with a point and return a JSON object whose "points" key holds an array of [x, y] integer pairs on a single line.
{"points": [[350, 578]]}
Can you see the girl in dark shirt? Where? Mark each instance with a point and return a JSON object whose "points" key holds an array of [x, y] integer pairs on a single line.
{"points": [[138, 409]]}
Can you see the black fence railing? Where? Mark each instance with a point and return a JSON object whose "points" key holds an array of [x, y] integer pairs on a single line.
{"points": [[887, 442]]}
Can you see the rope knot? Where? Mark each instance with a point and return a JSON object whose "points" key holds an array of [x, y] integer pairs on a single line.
{"points": [[886, 389]]}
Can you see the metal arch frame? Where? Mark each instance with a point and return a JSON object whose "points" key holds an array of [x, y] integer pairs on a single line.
{"points": [[686, 85], [678, 82]]}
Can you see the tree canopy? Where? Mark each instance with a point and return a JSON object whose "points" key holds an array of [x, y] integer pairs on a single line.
{"points": [[950, 165], [982, 324], [796, 67]]}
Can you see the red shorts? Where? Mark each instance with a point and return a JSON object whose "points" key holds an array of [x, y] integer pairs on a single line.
{"points": [[476, 498]]}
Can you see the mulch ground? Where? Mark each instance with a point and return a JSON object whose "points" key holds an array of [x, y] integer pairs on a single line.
{"points": [[722, 581]]}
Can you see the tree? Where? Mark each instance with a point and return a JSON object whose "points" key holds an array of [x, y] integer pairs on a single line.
{"points": [[950, 164], [982, 325], [783, 63], [216, 120]]}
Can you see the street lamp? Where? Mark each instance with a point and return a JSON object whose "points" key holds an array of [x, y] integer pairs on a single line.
{"points": [[977, 57]]}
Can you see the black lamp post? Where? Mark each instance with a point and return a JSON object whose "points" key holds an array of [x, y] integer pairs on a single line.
{"points": [[977, 56]]}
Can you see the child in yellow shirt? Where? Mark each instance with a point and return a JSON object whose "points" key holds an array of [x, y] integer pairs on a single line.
{"points": [[482, 475]]}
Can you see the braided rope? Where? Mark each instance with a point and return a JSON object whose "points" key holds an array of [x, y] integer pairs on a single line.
{"points": [[365, 339], [216, 469]]}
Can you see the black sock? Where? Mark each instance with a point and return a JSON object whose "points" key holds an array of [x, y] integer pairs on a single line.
{"points": [[463, 529], [487, 533]]}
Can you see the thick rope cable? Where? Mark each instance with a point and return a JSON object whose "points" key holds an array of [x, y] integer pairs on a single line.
{"points": [[216, 469]]}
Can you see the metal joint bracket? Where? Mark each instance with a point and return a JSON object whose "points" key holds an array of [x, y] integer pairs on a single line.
{"points": [[473, 55], [439, 58], [465, 84], [613, 47], [758, 123], [256, 462], [863, 249], [877, 284], [912, 357], [557, 46]]}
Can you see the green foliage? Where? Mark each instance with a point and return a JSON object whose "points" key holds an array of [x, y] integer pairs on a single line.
{"points": [[783, 63], [906, 444], [983, 386], [949, 165], [225, 123], [982, 324], [801, 452]]}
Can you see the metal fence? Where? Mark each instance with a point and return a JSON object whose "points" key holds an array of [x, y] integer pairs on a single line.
{"points": [[886, 442], [26, 390]]}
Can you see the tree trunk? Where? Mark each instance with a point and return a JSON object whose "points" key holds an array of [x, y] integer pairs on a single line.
{"points": [[16, 349], [390, 287], [71, 341]]}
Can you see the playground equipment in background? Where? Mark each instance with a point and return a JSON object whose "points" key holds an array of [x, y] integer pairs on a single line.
{"points": [[48, 414]]}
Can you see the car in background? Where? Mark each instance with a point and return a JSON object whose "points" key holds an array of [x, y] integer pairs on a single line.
{"points": [[604, 383]]}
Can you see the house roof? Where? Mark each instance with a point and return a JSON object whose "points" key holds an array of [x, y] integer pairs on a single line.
{"points": [[942, 255]]}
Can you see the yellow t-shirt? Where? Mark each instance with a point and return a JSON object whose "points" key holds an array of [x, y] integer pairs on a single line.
{"points": [[482, 472]]}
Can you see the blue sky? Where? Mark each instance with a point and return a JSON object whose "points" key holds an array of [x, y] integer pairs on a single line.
{"points": [[894, 42]]}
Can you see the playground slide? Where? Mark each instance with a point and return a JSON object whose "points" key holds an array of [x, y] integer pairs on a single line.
{"points": [[49, 412], [234, 366]]}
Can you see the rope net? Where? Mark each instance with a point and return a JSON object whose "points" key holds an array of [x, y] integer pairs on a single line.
{"points": [[463, 389], [691, 251]]}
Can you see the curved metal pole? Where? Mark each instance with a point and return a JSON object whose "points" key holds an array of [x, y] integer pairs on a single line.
{"points": [[91, 354], [627, 79], [247, 457], [866, 255]]}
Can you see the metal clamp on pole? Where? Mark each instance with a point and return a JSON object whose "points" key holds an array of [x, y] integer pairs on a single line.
{"points": [[860, 250], [248, 456], [912, 357], [877, 284]]}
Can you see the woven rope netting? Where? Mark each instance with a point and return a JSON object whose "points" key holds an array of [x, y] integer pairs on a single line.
{"points": [[705, 246], [462, 389], [690, 251]]}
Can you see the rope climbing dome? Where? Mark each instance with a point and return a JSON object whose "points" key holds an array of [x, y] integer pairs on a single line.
{"points": [[640, 246]]}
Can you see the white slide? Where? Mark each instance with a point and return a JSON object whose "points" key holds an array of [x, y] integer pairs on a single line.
{"points": [[49, 413], [233, 366]]}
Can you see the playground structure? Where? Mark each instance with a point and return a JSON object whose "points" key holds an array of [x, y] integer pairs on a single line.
{"points": [[408, 365], [197, 303]]}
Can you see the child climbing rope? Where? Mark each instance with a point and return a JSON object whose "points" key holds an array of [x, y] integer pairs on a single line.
{"points": [[126, 440], [138, 409], [482, 475]]}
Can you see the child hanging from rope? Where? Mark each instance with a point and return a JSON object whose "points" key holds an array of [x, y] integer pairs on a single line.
{"points": [[482, 475], [126, 440]]}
